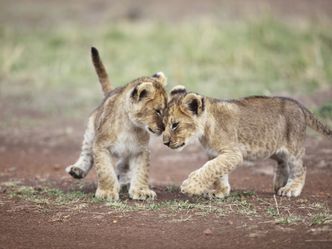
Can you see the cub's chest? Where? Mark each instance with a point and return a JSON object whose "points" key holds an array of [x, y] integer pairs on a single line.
{"points": [[128, 144]]}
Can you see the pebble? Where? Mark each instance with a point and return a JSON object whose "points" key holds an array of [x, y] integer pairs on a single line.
{"points": [[207, 231]]}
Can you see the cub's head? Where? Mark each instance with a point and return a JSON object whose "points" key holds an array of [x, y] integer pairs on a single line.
{"points": [[183, 118], [147, 102]]}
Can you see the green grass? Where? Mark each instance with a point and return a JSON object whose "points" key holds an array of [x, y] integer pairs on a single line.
{"points": [[53, 71], [246, 204], [53, 197], [288, 219], [321, 218], [49, 196], [316, 213]]}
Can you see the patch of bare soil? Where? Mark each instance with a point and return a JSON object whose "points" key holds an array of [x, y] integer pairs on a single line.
{"points": [[26, 224]]}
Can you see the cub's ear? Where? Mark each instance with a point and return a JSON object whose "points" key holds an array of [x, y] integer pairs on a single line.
{"points": [[160, 76], [193, 103], [179, 89], [143, 90]]}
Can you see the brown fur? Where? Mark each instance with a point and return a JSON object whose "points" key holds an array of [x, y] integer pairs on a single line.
{"points": [[101, 71], [250, 128], [117, 136]]}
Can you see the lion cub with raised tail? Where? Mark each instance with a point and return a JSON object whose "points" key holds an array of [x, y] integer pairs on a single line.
{"points": [[117, 135], [233, 130]]}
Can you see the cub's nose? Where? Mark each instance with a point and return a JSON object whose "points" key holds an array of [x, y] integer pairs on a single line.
{"points": [[166, 140], [167, 143]]}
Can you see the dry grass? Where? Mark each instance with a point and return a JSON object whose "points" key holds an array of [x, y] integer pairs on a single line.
{"points": [[246, 204]]}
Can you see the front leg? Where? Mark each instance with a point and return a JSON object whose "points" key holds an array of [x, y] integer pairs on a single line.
{"points": [[220, 188], [108, 186], [139, 186], [202, 180]]}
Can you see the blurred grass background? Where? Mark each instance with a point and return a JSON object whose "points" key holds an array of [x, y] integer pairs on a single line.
{"points": [[47, 68]]}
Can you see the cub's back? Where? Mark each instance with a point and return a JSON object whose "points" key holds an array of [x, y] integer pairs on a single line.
{"points": [[270, 118]]}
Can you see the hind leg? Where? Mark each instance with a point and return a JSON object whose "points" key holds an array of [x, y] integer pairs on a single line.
{"points": [[122, 171], [84, 163], [281, 174], [296, 178]]}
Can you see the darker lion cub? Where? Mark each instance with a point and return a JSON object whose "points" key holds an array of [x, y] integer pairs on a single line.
{"points": [[117, 135], [232, 130]]}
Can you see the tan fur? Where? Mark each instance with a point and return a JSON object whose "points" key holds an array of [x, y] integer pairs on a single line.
{"points": [[231, 131], [117, 136], [101, 71]]}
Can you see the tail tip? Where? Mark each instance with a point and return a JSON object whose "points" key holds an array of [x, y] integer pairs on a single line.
{"points": [[94, 51]]}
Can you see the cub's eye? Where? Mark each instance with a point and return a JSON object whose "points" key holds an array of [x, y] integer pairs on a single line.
{"points": [[174, 126], [158, 112]]}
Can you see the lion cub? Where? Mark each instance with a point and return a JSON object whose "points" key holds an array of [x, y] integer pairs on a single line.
{"points": [[118, 131], [233, 130]]}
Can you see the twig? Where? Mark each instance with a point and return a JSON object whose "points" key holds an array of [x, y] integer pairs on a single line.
{"points": [[312, 240], [265, 222], [275, 200], [266, 202]]}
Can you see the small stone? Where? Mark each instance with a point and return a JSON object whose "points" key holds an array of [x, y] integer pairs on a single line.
{"points": [[56, 166], [99, 217], [207, 231], [12, 169], [257, 234], [115, 221]]}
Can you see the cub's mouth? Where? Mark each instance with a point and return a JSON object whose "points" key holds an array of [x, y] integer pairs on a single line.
{"points": [[174, 147]]}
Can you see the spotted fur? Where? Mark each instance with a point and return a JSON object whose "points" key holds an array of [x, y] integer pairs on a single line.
{"points": [[233, 130], [117, 135]]}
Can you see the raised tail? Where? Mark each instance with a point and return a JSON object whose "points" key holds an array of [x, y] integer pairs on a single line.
{"points": [[315, 124], [101, 71]]}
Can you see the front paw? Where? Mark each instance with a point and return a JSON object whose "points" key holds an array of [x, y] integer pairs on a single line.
{"points": [[192, 187], [289, 191], [216, 194], [107, 194], [193, 174], [142, 194]]}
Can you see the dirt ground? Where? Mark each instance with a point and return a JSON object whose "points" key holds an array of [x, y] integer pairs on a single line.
{"points": [[37, 158]]}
